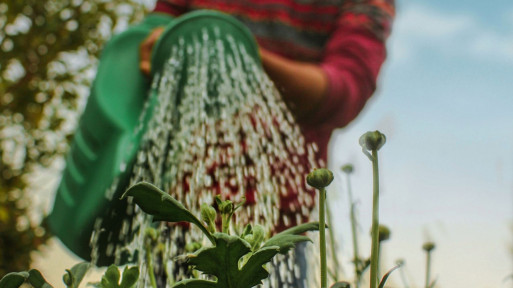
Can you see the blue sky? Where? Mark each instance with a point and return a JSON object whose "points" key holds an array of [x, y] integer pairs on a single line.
{"points": [[445, 102]]}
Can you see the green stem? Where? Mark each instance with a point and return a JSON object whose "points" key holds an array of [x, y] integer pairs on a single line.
{"points": [[149, 262], [212, 227], [403, 278], [375, 222], [378, 269], [428, 268], [225, 223], [355, 236], [322, 231], [332, 244]]}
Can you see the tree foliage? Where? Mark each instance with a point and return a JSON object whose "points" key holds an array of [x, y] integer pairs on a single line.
{"points": [[49, 53]]}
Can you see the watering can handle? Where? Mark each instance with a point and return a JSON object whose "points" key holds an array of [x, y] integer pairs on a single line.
{"points": [[104, 140]]}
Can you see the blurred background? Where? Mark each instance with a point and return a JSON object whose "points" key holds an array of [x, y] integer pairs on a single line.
{"points": [[444, 102]]}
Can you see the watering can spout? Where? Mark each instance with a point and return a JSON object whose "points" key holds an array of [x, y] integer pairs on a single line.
{"points": [[99, 163]]}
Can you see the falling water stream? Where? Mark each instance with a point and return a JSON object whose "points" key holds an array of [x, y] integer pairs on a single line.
{"points": [[220, 127]]}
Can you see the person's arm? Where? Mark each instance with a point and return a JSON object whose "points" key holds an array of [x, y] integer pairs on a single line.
{"points": [[303, 85], [352, 59], [335, 90]]}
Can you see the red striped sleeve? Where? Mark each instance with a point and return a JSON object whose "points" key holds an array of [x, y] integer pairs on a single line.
{"points": [[172, 7], [352, 60], [292, 51], [279, 13], [283, 5]]}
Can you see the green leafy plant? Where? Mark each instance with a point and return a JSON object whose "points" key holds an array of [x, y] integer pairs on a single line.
{"points": [[234, 260], [112, 276], [320, 179], [371, 142], [429, 247], [72, 278]]}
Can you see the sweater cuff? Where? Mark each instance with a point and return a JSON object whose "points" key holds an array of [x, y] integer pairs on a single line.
{"points": [[333, 97]]}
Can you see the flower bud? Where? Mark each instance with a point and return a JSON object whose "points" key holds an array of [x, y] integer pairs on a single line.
{"points": [[383, 233], [372, 141], [192, 247], [208, 213], [348, 168], [226, 207], [428, 246], [247, 230], [319, 178]]}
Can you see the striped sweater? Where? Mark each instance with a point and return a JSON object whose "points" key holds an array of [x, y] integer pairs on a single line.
{"points": [[345, 37], [304, 27]]}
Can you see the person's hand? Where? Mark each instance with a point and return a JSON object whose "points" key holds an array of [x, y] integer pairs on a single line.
{"points": [[145, 50]]}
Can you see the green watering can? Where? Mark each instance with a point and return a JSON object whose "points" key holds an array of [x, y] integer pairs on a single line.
{"points": [[105, 143]]}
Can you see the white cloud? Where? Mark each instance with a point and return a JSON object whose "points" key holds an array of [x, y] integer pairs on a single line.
{"points": [[493, 45], [509, 17], [423, 22], [419, 27]]}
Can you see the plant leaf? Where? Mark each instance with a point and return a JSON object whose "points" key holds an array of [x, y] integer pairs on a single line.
{"points": [[341, 284], [222, 261], [195, 283], [37, 280], [68, 279], [77, 273], [13, 279], [301, 228], [112, 275], [287, 239], [110, 278], [253, 272], [130, 277], [385, 277], [162, 206], [285, 242]]}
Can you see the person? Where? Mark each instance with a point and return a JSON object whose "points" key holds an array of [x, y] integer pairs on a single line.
{"points": [[324, 56]]}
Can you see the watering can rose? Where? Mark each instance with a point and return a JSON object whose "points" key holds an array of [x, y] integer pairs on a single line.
{"points": [[372, 141], [319, 178]]}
